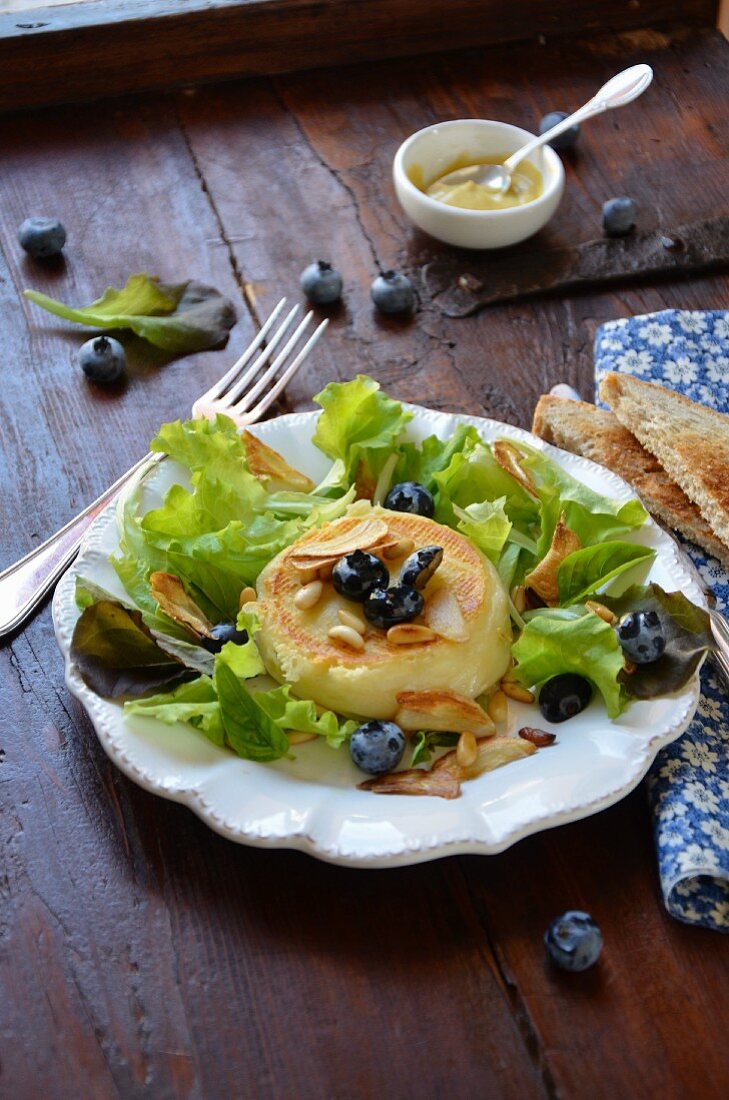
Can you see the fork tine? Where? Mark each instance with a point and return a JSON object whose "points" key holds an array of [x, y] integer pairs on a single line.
{"points": [[248, 398], [216, 389], [239, 387], [257, 412]]}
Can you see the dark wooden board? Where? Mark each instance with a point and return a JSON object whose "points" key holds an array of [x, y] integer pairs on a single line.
{"points": [[142, 955], [105, 47]]}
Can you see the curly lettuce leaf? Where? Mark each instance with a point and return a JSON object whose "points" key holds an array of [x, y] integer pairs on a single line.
{"points": [[358, 429], [486, 525], [474, 476], [179, 318], [422, 462], [557, 640], [584, 571], [195, 703]]}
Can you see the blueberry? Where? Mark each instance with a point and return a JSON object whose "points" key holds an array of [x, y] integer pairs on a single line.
{"points": [[321, 283], [564, 696], [641, 636], [42, 237], [222, 633], [377, 747], [562, 141], [393, 293], [618, 216], [388, 607], [410, 496], [102, 359], [573, 941], [420, 566], [356, 574]]}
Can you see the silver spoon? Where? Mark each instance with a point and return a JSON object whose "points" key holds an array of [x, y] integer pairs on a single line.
{"points": [[618, 91]]}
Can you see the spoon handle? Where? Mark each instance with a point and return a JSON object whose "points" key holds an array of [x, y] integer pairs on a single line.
{"points": [[619, 90]]}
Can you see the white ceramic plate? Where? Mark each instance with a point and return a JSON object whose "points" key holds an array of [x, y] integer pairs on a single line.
{"points": [[311, 803]]}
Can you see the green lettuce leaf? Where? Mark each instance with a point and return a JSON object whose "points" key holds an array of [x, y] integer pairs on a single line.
{"points": [[179, 318], [486, 525], [583, 572], [195, 703], [556, 640], [358, 428], [474, 476], [422, 462], [301, 714]]}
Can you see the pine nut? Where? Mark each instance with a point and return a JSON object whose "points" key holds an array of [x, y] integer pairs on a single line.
{"points": [[298, 737], [498, 708], [247, 596], [466, 750], [349, 618], [400, 550], [518, 598], [308, 595], [410, 634], [603, 612], [347, 636], [516, 691]]}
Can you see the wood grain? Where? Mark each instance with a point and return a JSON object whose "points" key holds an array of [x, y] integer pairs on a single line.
{"points": [[140, 954], [105, 47]]}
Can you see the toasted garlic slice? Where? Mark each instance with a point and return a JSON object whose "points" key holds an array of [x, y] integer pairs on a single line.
{"points": [[443, 615], [543, 579], [343, 537], [346, 636], [415, 781], [324, 571], [172, 598], [510, 459], [442, 710], [498, 708], [268, 465], [298, 737], [492, 753], [306, 576], [391, 551], [350, 618], [248, 595], [410, 634], [308, 595], [518, 598]]}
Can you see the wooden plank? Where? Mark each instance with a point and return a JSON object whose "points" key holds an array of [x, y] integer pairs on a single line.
{"points": [[104, 47]]}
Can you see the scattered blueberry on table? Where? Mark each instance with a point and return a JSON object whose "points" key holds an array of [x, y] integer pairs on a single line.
{"points": [[102, 359], [562, 141], [573, 941], [42, 237], [618, 216], [355, 575], [377, 747], [222, 633], [390, 607], [641, 636], [564, 696], [321, 283], [410, 496], [393, 293]]}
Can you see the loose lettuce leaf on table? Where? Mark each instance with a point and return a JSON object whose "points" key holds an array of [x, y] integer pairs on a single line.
{"points": [[688, 638], [180, 318], [117, 655], [557, 640]]}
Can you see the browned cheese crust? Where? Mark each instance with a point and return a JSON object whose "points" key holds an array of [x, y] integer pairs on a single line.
{"points": [[598, 435]]}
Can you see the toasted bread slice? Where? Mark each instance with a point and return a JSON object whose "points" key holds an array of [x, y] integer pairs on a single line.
{"points": [[598, 435], [690, 441]]}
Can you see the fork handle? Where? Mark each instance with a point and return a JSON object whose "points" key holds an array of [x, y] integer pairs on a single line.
{"points": [[24, 585]]}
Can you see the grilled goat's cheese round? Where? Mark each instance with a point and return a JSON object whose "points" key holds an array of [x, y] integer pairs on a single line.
{"points": [[464, 599]]}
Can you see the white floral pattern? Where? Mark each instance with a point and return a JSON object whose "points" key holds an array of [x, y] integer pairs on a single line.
{"points": [[688, 785]]}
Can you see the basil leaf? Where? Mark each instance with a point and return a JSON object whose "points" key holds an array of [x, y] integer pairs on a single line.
{"points": [[584, 571], [687, 629], [248, 729], [179, 318], [116, 654]]}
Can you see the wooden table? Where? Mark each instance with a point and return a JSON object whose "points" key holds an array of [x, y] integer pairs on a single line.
{"points": [[143, 955]]}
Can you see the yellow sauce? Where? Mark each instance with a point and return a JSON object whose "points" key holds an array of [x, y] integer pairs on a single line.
{"points": [[526, 185]]}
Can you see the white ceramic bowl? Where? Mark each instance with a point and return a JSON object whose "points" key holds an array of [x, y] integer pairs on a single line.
{"points": [[429, 153]]}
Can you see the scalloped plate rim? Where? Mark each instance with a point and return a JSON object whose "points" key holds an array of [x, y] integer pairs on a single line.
{"points": [[64, 614]]}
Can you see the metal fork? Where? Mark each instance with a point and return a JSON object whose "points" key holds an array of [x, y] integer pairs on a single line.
{"points": [[243, 395]]}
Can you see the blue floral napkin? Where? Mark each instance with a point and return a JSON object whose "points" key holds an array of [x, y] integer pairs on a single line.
{"points": [[688, 785]]}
